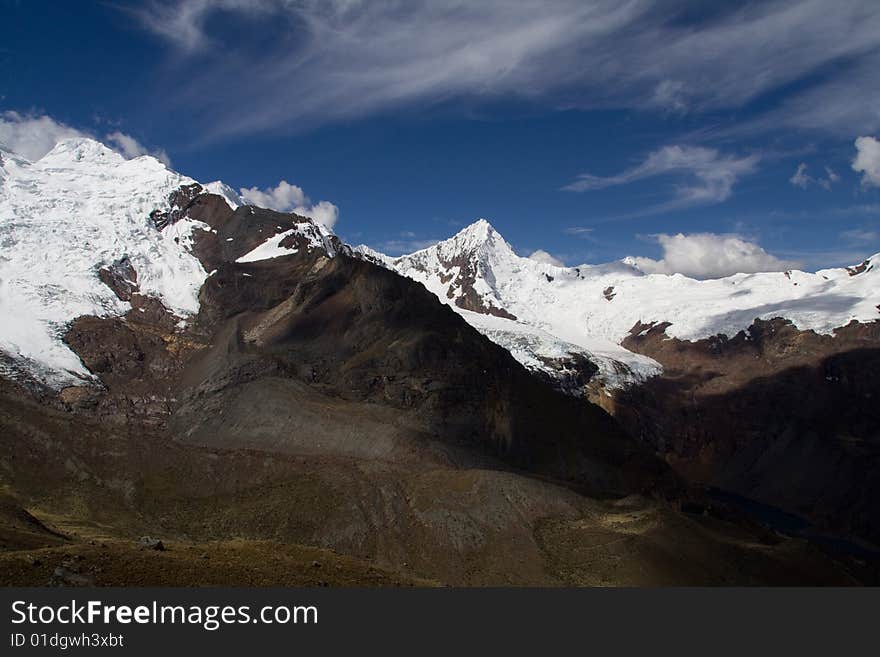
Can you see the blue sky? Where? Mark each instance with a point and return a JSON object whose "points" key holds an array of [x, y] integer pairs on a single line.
{"points": [[589, 130]]}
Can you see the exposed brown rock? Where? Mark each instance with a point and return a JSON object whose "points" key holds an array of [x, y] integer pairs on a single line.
{"points": [[463, 284], [179, 202], [783, 416], [858, 269], [121, 278]]}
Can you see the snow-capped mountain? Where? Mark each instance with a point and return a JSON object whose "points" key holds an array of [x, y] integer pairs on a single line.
{"points": [[83, 208], [77, 210], [545, 315], [63, 217]]}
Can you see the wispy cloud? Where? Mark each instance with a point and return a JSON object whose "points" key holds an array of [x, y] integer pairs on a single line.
{"points": [[709, 175], [329, 60], [861, 236], [131, 147], [831, 177], [841, 104], [802, 179], [583, 232], [396, 247]]}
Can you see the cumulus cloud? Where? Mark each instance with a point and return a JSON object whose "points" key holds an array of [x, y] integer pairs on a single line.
{"points": [[542, 256], [710, 255], [802, 179], [324, 212], [334, 59], [710, 174], [867, 161], [32, 136], [285, 197]]}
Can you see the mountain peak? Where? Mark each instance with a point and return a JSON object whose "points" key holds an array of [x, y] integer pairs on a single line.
{"points": [[481, 225], [480, 230], [478, 236], [82, 149]]}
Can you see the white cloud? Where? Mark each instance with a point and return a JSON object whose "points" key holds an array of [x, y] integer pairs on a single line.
{"points": [[711, 174], [33, 136], [131, 147], [710, 255], [867, 160], [542, 256], [802, 179], [324, 212], [330, 60], [285, 197]]}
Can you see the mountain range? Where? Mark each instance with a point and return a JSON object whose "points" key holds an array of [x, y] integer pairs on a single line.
{"points": [[543, 313], [176, 362]]}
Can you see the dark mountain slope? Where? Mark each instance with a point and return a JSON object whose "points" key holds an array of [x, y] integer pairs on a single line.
{"points": [[356, 332], [308, 353], [786, 417], [97, 483]]}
